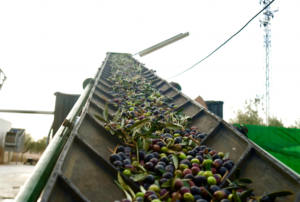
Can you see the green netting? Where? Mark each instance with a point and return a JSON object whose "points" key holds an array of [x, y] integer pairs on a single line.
{"points": [[282, 143]]}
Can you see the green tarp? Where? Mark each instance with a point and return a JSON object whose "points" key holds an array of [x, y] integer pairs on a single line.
{"points": [[282, 143]]}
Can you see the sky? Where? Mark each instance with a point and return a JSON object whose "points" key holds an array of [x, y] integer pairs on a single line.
{"points": [[50, 46]]}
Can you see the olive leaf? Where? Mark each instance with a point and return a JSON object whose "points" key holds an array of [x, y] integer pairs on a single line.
{"points": [[138, 124], [137, 152], [100, 118], [142, 189], [244, 180], [117, 116], [124, 190], [235, 197], [141, 167], [124, 185], [208, 192], [139, 177], [134, 134], [226, 156], [105, 112], [185, 183], [170, 143], [122, 123], [175, 160], [280, 193], [164, 196], [139, 143], [274, 195], [207, 156], [166, 184], [179, 111], [237, 173], [146, 144], [170, 151], [245, 194], [173, 126]]}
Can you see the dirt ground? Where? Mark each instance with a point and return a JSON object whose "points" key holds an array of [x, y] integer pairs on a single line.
{"points": [[12, 177]]}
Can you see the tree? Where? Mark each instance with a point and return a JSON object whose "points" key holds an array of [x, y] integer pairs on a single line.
{"points": [[34, 146], [296, 124], [41, 144], [273, 121], [250, 115], [28, 143]]}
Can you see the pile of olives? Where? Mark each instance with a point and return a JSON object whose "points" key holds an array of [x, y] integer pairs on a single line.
{"points": [[161, 152]]}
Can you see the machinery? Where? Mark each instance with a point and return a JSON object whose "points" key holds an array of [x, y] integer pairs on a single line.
{"points": [[76, 165]]}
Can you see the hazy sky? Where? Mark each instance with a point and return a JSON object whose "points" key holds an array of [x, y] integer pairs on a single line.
{"points": [[49, 46]]}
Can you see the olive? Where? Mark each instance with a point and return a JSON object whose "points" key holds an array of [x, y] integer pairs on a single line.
{"points": [[162, 163], [149, 165], [195, 190], [214, 188], [188, 197], [148, 157], [154, 188], [154, 160], [201, 200], [178, 184], [120, 149], [159, 168], [222, 170], [152, 197], [199, 180], [220, 194], [117, 163], [184, 190], [189, 176], [127, 161], [228, 164], [195, 170], [211, 180], [217, 163], [167, 175], [149, 179], [114, 157], [163, 180]]}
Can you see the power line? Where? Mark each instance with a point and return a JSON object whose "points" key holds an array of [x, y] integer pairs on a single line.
{"points": [[223, 42]]}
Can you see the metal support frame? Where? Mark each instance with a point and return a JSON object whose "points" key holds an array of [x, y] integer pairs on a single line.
{"points": [[25, 111], [36, 182], [162, 44]]}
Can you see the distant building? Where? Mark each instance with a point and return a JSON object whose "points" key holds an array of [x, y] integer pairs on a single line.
{"points": [[11, 140]]}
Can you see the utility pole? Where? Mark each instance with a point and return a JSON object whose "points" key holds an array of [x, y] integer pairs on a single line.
{"points": [[266, 25]]}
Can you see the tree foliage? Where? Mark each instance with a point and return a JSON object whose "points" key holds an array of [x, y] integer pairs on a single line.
{"points": [[34, 146], [250, 115], [296, 124], [273, 121]]}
